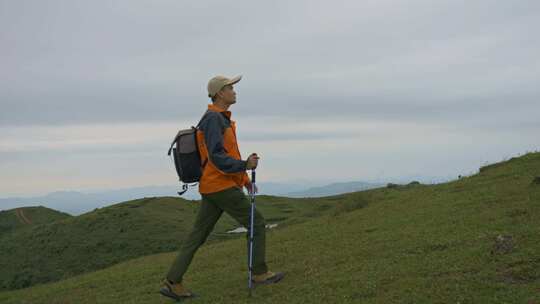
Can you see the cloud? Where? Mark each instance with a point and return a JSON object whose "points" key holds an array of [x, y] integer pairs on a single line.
{"points": [[151, 63], [101, 86]]}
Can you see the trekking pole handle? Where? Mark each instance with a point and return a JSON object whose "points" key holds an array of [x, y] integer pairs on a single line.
{"points": [[253, 176]]}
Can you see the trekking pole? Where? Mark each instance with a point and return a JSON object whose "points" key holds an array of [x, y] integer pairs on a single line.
{"points": [[252, 215]]}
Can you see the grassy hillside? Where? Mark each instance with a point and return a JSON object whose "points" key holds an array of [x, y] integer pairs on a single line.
{"points": [[15, 219], [127, 230], [473, 240]]}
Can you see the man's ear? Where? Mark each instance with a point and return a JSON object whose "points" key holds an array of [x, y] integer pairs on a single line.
{"points": [[218, 94]]}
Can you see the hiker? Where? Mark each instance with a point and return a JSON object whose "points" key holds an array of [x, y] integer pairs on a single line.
{"points": [[224, 175]]}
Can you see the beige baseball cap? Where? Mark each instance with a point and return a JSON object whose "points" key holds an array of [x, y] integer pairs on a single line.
{"points": [[217, 83]]}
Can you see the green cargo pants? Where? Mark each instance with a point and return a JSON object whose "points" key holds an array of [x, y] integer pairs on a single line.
{"points": [[238, 206]]}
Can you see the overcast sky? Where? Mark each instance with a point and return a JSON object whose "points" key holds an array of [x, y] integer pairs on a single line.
{"points": [[92, 92]]}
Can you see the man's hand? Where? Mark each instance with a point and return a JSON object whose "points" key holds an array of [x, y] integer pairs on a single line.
{"points": [[252, 161], [249, 185]]}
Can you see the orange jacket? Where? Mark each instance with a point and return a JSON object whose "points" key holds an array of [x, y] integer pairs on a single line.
{"points": [[223, 167]]}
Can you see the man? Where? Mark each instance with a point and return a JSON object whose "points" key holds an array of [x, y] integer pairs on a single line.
{"points": [[224, 174]]}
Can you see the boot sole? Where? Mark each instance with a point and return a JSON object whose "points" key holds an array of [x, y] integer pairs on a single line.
{"points": [[278, 277], [165, 291]]}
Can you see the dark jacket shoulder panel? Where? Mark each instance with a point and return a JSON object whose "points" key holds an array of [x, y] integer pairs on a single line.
{"points": [[213, 125]]}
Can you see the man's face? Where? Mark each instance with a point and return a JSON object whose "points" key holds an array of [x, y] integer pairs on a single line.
{"points": [[228, 94]]}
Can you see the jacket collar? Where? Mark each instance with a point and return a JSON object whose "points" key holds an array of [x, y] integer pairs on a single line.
{"points": [[215, 108]]}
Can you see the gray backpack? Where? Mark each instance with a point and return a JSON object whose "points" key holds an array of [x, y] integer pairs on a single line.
{"points": [[187, 159]]}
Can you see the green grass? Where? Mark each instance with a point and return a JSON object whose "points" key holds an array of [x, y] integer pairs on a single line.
{"points": [[410, 244], [69, 246]]}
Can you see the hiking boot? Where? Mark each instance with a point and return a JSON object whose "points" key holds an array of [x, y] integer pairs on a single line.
{"points": [[176, 291], [267, 277]]}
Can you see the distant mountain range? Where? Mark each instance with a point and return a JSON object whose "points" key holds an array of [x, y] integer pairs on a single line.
{"points": [[346, 187], [75, 202], [335, 188], [78, 202]]}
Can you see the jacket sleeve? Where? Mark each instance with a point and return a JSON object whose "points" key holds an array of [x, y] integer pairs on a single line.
{"points": [[213, 137]]}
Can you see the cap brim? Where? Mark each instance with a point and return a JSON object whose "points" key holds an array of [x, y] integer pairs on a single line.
{"points": [[234, 79]]}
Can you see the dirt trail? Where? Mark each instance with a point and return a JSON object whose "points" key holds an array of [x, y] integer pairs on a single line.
{"points": [[22, 217]]}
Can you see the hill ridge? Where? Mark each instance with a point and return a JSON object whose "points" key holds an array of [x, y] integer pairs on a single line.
{"points": [[413, 243]]}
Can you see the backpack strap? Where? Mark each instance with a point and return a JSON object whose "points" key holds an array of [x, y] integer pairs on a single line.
{"points": [[202, 118], [206, 160]]}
